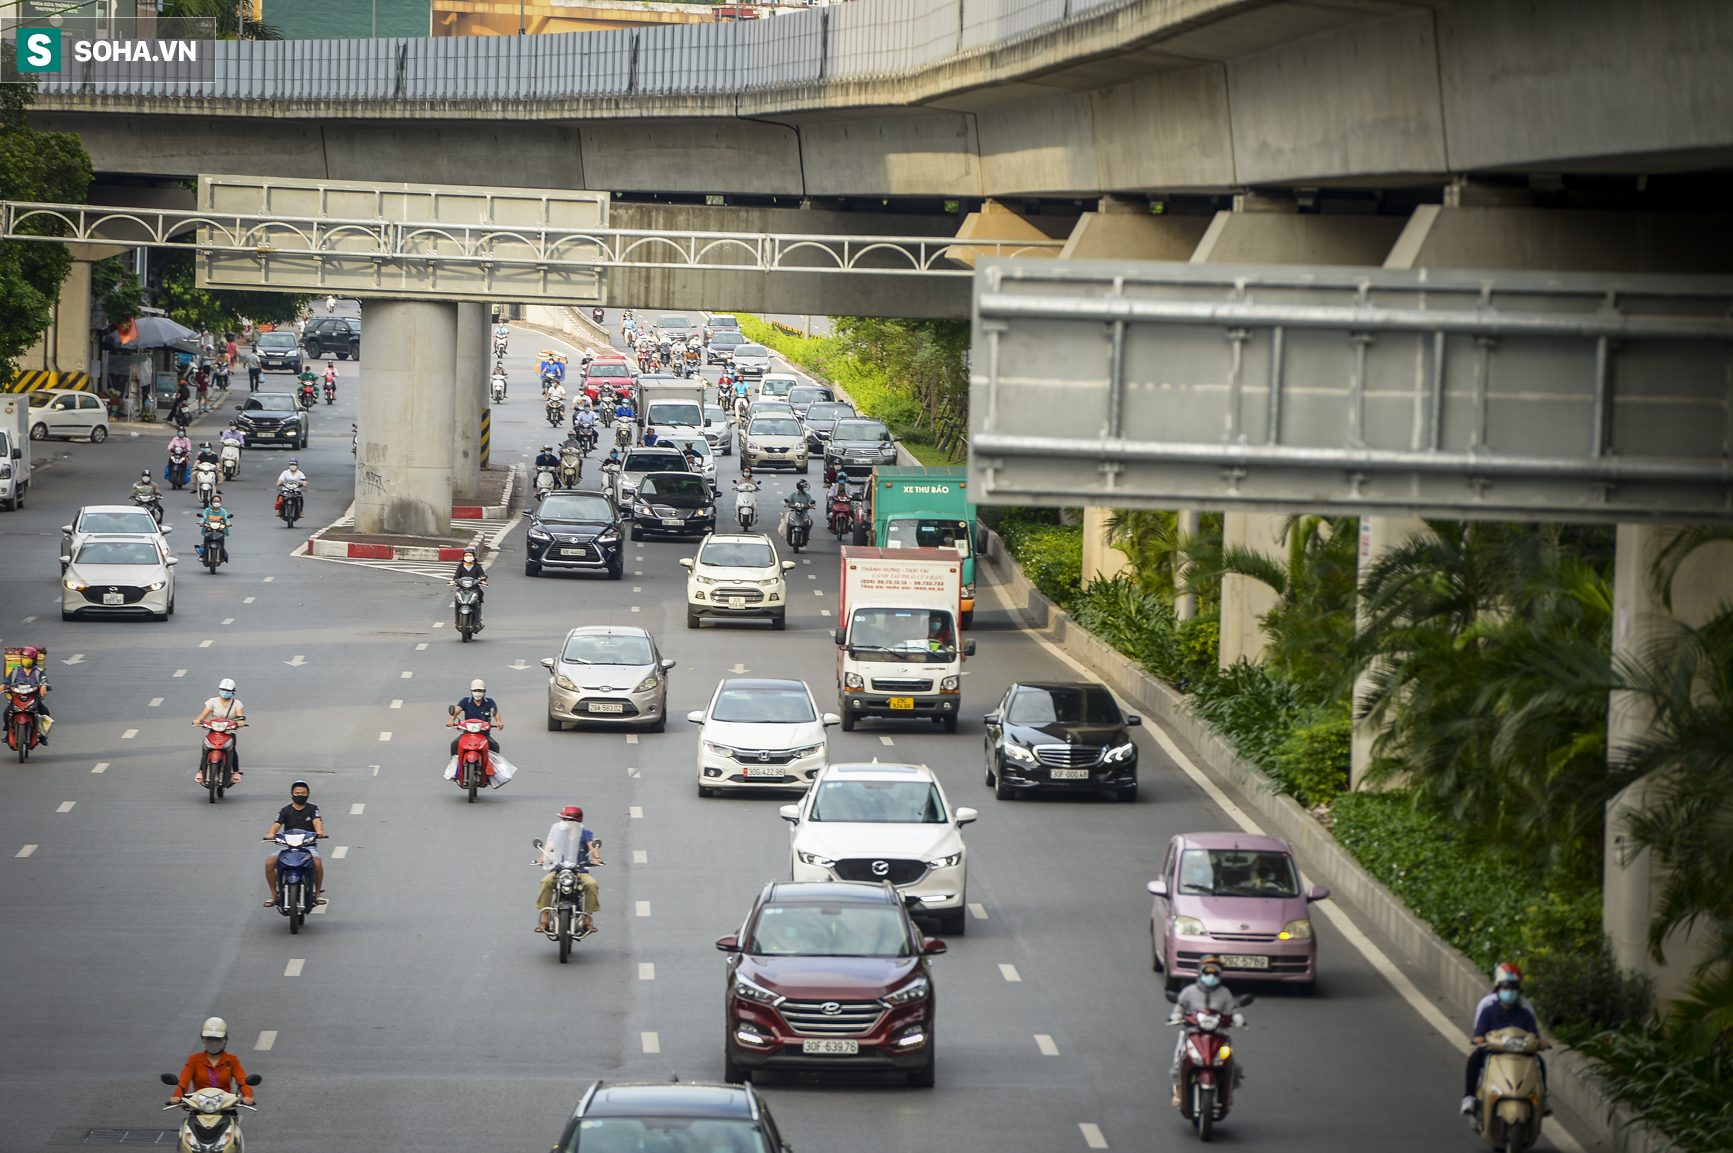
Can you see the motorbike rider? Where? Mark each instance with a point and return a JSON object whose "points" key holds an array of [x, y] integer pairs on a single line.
{"points": [[213, 1067], [622, 408], [234, 435], [498, 377], [470, 567], [548, 459], [146, 487], [1503, 1008], [179, 443], [584, 418], [299, 813], [477, 706], [694, 459], [800, 499], [1206, 994], [569, 842], [308, 379], [31, 671], [214, 515], [292, 473], [225, 705], [207, 454]]}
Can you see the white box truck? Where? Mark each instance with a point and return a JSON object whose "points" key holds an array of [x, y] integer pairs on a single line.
{"points": [[672, 406], [14, 449], [897, 651]]}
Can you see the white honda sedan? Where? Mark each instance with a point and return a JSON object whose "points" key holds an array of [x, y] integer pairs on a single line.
{"points": [[760, 734], [119, 576], [882, 822]]}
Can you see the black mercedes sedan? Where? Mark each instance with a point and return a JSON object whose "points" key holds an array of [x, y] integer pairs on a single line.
{"points": [[1060, 735], [673, 504], [574, 531]]}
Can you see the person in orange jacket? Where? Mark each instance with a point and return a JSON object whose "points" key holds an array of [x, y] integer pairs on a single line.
{"points": [[215, 1068]]}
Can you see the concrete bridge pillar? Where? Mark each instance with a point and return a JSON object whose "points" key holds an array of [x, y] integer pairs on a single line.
{"points": [[408, 406], [471, 365], [1244, 600]]}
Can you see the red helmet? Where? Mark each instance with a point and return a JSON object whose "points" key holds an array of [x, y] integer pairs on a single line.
{"points": [[1505, 973], [571, 813], [30, 653]]}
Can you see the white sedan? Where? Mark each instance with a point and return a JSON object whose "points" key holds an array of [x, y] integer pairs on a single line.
{"points": [[760, 734], [883, 822], [110, 519], [119, 576]]}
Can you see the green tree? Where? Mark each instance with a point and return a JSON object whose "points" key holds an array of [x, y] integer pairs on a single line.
{"points": [[925, 359], [177, 293], [115, 287]]}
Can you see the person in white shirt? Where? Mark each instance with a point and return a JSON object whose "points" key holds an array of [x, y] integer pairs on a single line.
{"points": [[293, 473], [228, 706]]}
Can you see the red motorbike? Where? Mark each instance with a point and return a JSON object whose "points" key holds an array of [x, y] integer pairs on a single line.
{"points": [[1206, 1067], [217, 758], [474, 765], [841, 515], [23, 713]]}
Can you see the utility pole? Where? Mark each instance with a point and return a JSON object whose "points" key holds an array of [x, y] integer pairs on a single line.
{"points": [[520, 17], [375, 19]]}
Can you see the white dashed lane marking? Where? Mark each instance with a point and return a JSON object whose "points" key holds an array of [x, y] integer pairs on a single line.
{"points": [[636, 609], [406, 675], [204, 644], [248, 601], [101, 767], [229, 620], [397, 704], [25, 851], [631, 738], [1010, 973], [267, 1038], [646, 970], [180, 672], [635, 812], [268, 580], [1092, 1135], [886, 741], [632, 772], [357, 810], [294, 967], [1045, 1043], [339, 852], [637, 588], [640, 857], [420, 646], [643, 908], [385, 736], [652, 1042], [155, 702], [65, 806], [129, 734]]}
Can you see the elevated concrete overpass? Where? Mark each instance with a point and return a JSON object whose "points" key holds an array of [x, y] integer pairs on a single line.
{"points": [[961, 99]]}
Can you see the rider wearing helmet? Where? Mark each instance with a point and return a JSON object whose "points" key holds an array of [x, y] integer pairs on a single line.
{"points": [[146, 487], [31, 670], [300, 813], [213, 1067], [477, 706], [568, 842], [1503, 1008], [226, 705], [1206, 994], [207, 454], [469, 566], [549, 460], [293, 473]]}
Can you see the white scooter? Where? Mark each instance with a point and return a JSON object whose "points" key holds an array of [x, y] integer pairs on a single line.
{"points": [[213, 1123], [204, 482], [498, 387], [746, 503], [545, 481], [231, 459]]}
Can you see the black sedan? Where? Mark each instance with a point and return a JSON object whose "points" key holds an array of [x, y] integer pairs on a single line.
{"points": [[821, 419], [1064, 735], [572, 531], [673, 504], [273, 418], [859, 446]]}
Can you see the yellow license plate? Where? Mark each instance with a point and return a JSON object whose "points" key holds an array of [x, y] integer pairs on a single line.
{"points": [[901, 702]]}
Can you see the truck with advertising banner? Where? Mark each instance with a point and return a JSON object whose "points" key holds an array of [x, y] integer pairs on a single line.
{"points": [[671, 405], [921, 506], [14, 449], [897, 653]]}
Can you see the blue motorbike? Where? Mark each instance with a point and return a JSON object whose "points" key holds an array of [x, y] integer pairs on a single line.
{"points": [[295, 876]]}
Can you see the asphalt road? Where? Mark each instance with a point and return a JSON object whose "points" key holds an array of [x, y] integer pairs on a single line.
{"points": [[419, 1013]]}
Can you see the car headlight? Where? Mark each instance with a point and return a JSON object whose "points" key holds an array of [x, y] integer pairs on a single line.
{"points": [[1120, 752], [773, 582], [644, 510], [1018, 753], [853, 681], [814, 859], [949, 862], [538, 534], [755, 992], [1188, 926], [1300, 930], [913, 991], [157, 586], [719, 750], [646, 684], [76, 586], [704, 580], [752, 446], [609, 537], [565, 682], [950, 684], [805, 752]]}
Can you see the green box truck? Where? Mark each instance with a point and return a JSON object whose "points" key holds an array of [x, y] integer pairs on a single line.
{"points": [[917, 506]]}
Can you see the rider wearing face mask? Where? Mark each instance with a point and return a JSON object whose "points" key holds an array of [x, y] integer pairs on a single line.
{"points": [[213, 1067], [226, 705], [300, 813], [477, 706], [1503, 1008], [1207, 993]]}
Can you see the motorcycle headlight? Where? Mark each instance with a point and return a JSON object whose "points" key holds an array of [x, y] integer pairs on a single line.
{"points": [[1300, 930], [949, 862], [1120, 752], [950, 684], [567, 882], [565, 682], [755, 992], [913, 991], [814, 859], [853, 681], [1188, 926], [1019, 753], [646, 684]]}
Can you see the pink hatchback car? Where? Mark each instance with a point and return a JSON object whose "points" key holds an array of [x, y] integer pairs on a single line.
{"points": [[1239, 897]]}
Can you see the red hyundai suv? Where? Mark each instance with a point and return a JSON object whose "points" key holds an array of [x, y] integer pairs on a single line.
{"points": [[829, 975]]}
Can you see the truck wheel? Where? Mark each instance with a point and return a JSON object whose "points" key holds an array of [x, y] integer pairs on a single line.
{"points": [[847, 721], [969, 619]]}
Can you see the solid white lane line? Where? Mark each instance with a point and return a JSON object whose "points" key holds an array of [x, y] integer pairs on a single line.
{"points": [[1010, 973], [886, 741], [405, 675], [357, 810], [155, 702], [248, 600], [1045, 1043], [204, 644], [640, 857], [652, 1043], [229, 620], [65, 806], [643, 908], [339, 852], [646, 970], [294, 967], [397, 704], [635, 812], [1092, 1135], [979, 912], [385, 735], [420, 646], [25, 851], [129, 734], [631, 738], [101, 767], [180, 672], [267, 1038]]}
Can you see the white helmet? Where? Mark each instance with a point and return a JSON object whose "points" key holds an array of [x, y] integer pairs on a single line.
{"points": [[216, 1029], [227, 684], [477, 684]]}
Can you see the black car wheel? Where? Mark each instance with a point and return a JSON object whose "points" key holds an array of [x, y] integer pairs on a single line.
{"points": [[531, 568], [734, 1074], [924, 1077], [1002, 791], [615, 572], [991, 776]]}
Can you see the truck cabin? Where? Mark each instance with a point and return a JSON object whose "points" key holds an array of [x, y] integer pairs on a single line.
{"points": [[904, 636], [926, 532]]}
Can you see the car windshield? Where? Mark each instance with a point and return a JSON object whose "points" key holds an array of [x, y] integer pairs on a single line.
{"points": [[41, 399], [763, 705], [594, 508], [911, 636], [879, 803], [860, 430], [928, 534], [736, 554], [655, 462], [776, 385], [728, 339], [277, 340], [665, 1135], [752, 350], [117, 552], [684, 484], [271, 403], [724, 322], [609, 370], [1237, 873], [117, 522], [806, 394], [1079, 706], [775, 426], [673, 322], [602, 649], [675, 412], [830, 931], [828, 410]]}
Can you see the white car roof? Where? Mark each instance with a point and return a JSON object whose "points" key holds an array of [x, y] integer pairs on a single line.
{"points": [[110, 508], [878, 772]]}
